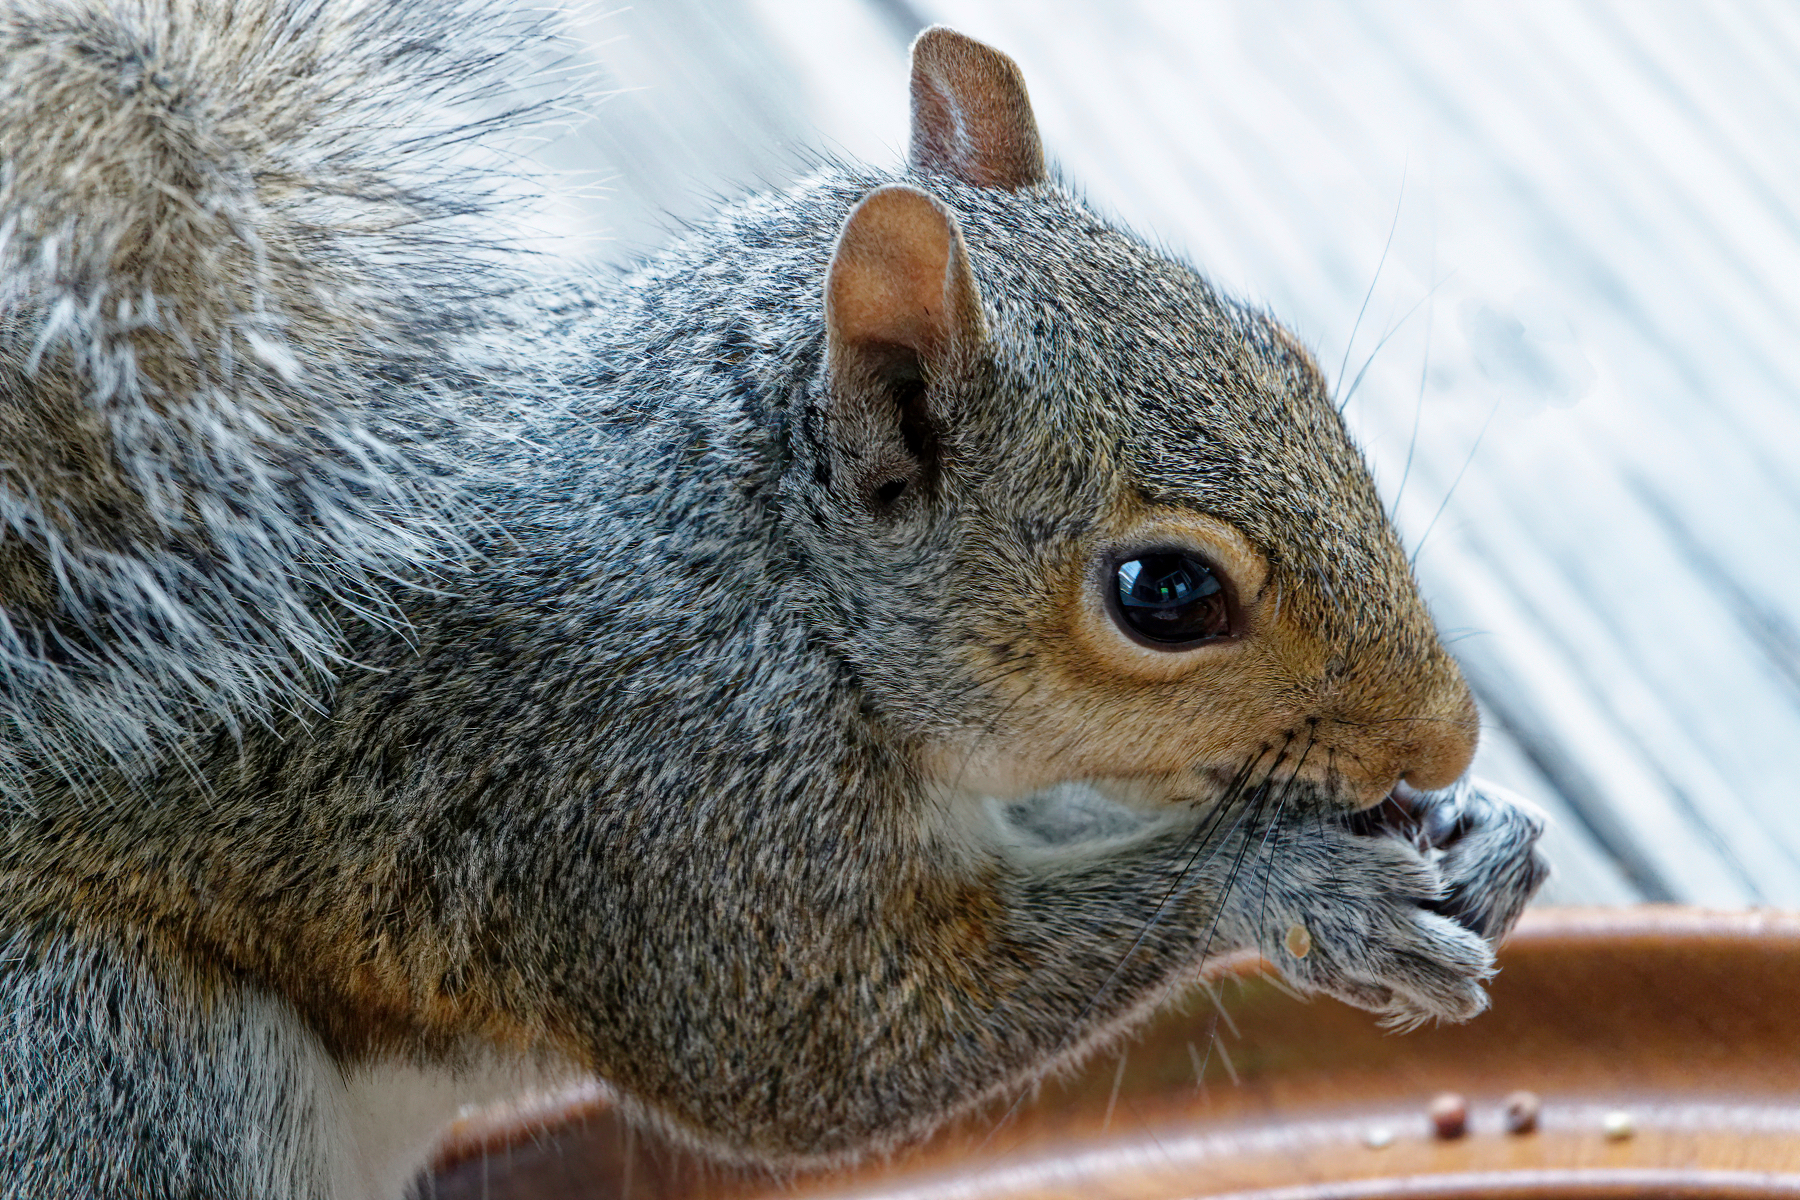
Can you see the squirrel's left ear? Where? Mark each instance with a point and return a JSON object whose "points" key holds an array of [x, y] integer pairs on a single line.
{"points": [[902, 312], [971, 117]]}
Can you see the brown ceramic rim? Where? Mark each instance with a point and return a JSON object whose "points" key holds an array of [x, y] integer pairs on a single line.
{"points": [[1657, 929], [1625, 1183]]}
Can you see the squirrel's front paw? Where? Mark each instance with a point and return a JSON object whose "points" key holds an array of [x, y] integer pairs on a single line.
{"points": [[1395, 910], [1483, 841]]}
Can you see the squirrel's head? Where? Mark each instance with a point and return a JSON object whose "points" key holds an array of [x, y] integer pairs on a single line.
{"points": [[1082, 517]]}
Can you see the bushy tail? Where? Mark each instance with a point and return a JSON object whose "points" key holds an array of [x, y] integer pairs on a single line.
{"points": [[244, 253]]}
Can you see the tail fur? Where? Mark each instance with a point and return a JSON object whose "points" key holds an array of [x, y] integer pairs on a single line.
{"points": [[244, 256]]}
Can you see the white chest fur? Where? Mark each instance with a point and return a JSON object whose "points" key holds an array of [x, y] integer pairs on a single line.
{"points": [[386, 1118]]}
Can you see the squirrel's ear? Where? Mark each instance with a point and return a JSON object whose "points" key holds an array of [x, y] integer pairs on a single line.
{"points": [[971, 117], [901, 311], [899, 286]]}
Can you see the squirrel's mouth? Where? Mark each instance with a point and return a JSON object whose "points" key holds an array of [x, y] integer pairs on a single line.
{"points": [[1403, 814]]}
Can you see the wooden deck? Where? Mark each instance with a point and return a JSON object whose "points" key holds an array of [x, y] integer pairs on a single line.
{"points": [[1550, 250]]}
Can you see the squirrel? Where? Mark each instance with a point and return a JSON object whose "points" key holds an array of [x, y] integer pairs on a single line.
{"points": [[820, 680]]}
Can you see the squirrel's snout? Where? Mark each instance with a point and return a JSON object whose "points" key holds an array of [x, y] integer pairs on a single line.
{"points": [[1427, 744], [1446, 734], [1444, 757], [1441, 744]]}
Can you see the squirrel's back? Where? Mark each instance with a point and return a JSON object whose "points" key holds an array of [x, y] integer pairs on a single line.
{"points": [[252, 295]]}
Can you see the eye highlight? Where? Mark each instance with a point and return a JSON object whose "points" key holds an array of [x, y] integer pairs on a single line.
{"points": [[1170, 598]]}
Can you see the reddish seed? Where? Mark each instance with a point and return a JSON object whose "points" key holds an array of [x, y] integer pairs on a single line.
{"points": [[1449, 1116], [1522, 1110]]}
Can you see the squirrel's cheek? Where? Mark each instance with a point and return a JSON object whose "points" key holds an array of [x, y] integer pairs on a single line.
{"points": [[1072, 716]]}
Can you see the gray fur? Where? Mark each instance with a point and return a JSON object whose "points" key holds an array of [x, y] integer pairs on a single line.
{"points": [[639, 782], [243, 249], [117, 1083]]}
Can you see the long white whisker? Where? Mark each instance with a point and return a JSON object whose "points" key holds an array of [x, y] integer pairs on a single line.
{"points": [[1399, 203], [1413, 559]]}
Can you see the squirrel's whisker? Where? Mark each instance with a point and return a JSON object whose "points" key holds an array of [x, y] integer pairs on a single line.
{"points": [[1386, 246]]}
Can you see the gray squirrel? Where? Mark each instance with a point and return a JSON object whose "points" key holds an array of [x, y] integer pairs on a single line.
{"points": [[865, 657]]}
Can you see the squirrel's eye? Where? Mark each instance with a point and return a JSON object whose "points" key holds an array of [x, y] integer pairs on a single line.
{"points": [[1172, 598]]}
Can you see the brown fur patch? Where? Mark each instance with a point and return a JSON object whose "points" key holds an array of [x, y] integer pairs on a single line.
{"points": [[369, 980]]}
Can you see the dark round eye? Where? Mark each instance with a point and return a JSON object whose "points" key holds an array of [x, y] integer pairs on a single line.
{"points": [[1172, 598]]}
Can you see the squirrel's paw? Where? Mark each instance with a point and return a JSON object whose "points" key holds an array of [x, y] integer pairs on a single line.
{"points": [[1483, 841], [1395, 910]]}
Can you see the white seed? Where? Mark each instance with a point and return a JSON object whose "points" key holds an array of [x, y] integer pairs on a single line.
{"points": [[1298, 940], [1378, 1137], [1618, 1125]]}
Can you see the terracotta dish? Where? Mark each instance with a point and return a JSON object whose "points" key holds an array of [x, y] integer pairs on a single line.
{"points": [[1663, 1046]]}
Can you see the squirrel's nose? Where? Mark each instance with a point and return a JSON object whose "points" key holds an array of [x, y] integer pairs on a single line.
{"points": [[1444, 745]]}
